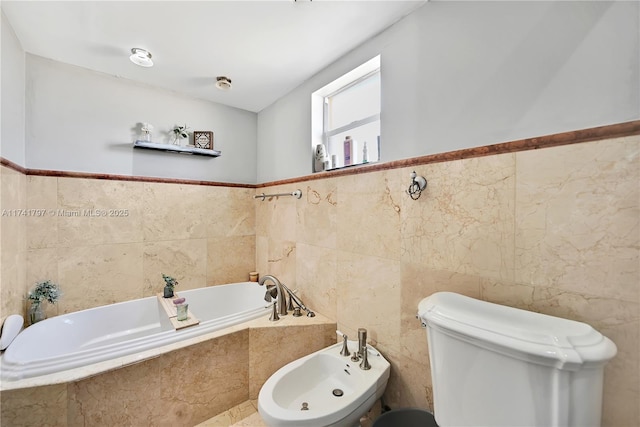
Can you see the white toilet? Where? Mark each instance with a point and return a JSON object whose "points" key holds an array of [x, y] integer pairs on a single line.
{"points": [[493, 365]]}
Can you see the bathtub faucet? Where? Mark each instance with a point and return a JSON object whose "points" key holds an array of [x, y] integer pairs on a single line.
{"points": [[298, 301], [280, 295]]}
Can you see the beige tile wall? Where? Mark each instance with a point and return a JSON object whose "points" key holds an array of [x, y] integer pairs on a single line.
{"points": [[201, 235], [13, 250], [554, 230]]}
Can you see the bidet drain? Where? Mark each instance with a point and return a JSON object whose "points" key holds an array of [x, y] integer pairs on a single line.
{"points": [[305, 406], [337, 392]]}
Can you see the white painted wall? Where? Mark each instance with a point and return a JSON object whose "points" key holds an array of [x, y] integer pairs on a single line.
{"points": [[12, 65], [84, 121], [465, 74]]}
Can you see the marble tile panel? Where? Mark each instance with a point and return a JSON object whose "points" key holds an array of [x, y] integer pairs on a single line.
{"points": [[409, 383], [369, 296], [184, 260], [13, 283], [205, 379], [272, 347], [369, 214], [316, 278], [13, 241], [317, 214], [98, 275], [175, 211], [253, 420], [276, 216], [230, 259], [42, 196], [231, 211], [37, 406], [281, 261], [220, 420], [262, 255], [463, 222], [126, 396], [43, 265], [13, 189], [93, 211], [578, 218], [242, 411], [234, 415], [419, 282]]}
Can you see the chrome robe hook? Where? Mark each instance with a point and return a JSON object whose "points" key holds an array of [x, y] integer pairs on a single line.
{"points": [[418, 184]]}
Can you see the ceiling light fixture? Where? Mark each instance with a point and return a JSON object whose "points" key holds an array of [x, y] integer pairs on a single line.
{"points": [[223, 83], [141, 57]]}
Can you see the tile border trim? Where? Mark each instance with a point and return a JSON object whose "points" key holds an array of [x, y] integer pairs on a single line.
{"points": [[617, 130], [114, 177]]}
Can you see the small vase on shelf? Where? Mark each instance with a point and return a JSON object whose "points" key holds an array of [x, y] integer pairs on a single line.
{"points": [[180, 133], [146, 132]]}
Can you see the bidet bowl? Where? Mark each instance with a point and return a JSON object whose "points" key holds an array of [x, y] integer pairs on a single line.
{"points": [[332, 388]]}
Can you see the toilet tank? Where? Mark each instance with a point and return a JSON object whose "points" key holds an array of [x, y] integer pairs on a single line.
{"points": [[493, 365]]}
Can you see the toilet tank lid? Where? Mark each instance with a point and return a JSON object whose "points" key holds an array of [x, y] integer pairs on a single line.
{"points": [[563, 342]]}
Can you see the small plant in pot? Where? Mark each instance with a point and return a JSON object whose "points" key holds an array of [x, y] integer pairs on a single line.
{"points": [[170, 283], [44, 290]]}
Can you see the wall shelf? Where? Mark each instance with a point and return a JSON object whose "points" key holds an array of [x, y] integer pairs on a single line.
{"points": [[176, 149]]}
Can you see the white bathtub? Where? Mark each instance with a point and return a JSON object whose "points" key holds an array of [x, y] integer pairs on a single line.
{"points": [[103, 333]]}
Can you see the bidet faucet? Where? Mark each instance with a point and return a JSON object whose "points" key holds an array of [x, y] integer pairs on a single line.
{"points": [[362, 341], [280, 296], [362, 349]]}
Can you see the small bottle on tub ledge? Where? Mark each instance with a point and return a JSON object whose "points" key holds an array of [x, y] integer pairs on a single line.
{"points": [[182, 309]]}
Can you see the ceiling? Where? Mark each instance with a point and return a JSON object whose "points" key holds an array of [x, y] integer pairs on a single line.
{"points": [[267, 48]]}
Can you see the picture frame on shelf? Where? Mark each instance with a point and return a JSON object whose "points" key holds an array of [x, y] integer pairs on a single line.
{"points": [[203, 139]]}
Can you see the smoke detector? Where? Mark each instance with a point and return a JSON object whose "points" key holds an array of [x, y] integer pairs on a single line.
{"points": [[223, 83], [141, 57]]}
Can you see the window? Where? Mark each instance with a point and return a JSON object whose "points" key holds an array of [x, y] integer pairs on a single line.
{"points": [[349, 107]]}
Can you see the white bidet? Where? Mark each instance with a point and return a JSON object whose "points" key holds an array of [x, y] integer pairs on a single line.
{"points": [[323, 389]]}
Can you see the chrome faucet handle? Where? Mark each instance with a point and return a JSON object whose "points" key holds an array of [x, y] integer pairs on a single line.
{"points": [[290, 306], [274, 313], [271, 293], [345, 348], [298, 301], [362, 341], [364, 365]]}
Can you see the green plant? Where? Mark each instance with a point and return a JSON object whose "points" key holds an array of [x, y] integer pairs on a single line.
{"points": [[170, 281], [44, 291]]}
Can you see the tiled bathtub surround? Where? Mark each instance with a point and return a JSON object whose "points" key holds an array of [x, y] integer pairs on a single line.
{"points": [[202, 235], [182, 387], [554, 230]]}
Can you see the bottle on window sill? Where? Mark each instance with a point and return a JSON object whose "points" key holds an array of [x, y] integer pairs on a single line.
{"points": [[348, 151]]}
